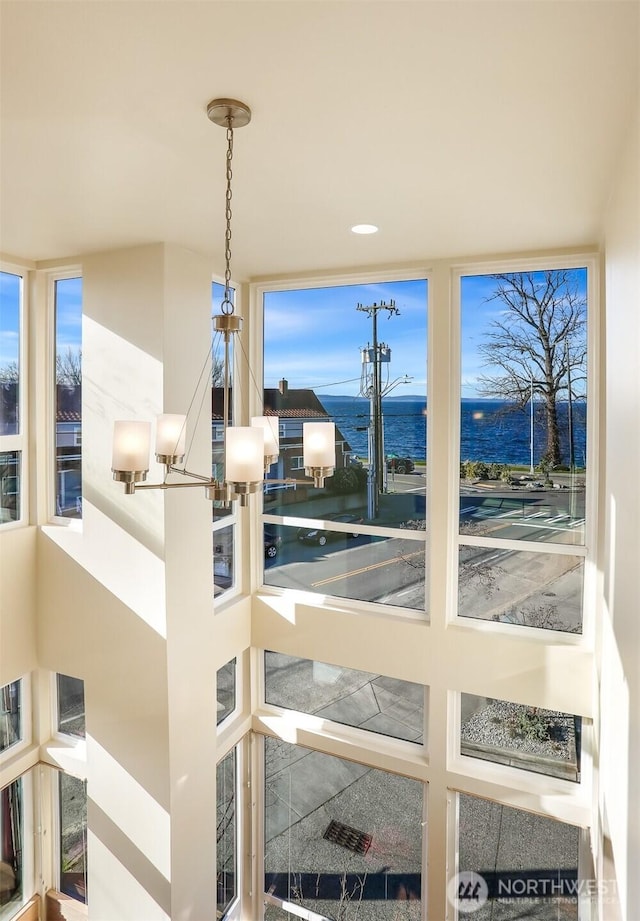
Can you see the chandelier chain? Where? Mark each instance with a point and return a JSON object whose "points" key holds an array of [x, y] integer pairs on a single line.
{"points": [[227, 305]]}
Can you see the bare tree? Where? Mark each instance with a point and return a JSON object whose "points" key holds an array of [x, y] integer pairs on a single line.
{"points": [[217, 371], [9, 373], [538, 344], [69, 367]]}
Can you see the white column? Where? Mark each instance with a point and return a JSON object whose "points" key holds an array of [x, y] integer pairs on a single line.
{"points": [[138, 622]]}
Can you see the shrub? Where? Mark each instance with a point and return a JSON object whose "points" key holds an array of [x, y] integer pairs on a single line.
{"points": [[533, 726], [345, 480]]}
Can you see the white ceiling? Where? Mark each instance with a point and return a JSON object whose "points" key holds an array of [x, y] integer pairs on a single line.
{"points": [[458, 126]]}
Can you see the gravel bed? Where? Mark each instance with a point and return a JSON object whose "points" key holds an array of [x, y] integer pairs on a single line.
{"points": [[496, 725]]}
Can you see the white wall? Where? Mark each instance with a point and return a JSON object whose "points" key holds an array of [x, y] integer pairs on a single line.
{"points": [[17, 603], [620, 677]]}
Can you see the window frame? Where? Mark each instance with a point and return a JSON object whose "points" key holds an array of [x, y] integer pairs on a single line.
{"points": [[56, 796], [243, 746], [346, 731], [443, 768], [584, 855], [20, 441], [29, 807], [52, 277], [415, 272], [586, 550], [26, 722], [77, 743], [222, 725], [329, 745]]}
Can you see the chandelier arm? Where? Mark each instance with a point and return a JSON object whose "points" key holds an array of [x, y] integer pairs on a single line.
{"points": [[165, 485], [184, 472]]}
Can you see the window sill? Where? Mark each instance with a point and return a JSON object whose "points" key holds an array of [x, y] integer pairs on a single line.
{"points": [[60, 907], [30, 911]]}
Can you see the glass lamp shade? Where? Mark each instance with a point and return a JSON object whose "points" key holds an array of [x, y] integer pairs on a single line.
{"points": [[244, 454], [131, 441], [270, 426], [171, 435], [319, 444]]}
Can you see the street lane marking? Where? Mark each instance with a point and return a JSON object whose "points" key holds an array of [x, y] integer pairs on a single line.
{"points": [[357, 572]]}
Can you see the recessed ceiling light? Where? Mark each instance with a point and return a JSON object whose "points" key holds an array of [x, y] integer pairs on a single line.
{"points": [[364, 228]]}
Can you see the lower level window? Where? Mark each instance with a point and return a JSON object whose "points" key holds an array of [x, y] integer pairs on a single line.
{"points": [[10, 715], [223, 560], [12, 839], [342, 840], [226, 834], [73, 837], [515, 864], [70, 699], [10, 486], [226, 690]]}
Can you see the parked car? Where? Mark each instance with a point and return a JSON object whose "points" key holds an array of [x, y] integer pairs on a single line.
{"points": [[320, 536], [398, 464], [272, 543]]}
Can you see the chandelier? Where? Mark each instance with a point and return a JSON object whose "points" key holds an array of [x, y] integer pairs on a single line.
{"points": [[249, 451]]}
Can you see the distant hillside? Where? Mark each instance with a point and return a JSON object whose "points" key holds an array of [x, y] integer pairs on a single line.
{"points": [[327, 398]]}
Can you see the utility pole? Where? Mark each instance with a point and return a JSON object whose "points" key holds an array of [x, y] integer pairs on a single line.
{"points": [[371, 387]]}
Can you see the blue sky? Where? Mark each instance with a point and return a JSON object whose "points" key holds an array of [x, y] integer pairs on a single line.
{"points": [[478, 310], [9, 318], [313, 336], [68, 315]]}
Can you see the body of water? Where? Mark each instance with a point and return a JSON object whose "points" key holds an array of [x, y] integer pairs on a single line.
{"points": [[491, 430]]}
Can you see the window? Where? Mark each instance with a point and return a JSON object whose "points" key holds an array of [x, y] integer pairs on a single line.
{"points": [[226, 833], [68, 409], [529, 738], [340, 838], [16, 845], [370, 381], [226, 690], [11, 709], [70, 699], [345, 695], [12, 397], [523, 865], [223, 556], [523, 447], [72, 801], [519, 587]]}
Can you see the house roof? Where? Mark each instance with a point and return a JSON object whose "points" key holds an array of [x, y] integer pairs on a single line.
{"points": [[293, 404]]}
